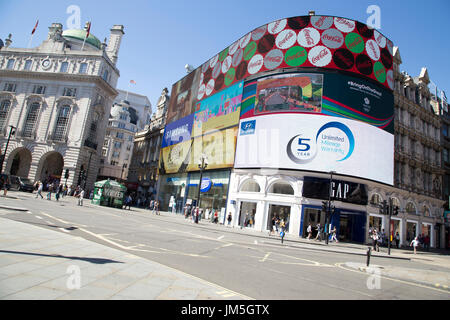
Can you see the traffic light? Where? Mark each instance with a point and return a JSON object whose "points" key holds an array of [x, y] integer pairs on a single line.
{"points": [[324, 206], [395, 211], [66, 175]]}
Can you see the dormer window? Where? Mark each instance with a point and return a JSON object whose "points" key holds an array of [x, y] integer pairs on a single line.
{"points": [[37, 89], [105, 75]]}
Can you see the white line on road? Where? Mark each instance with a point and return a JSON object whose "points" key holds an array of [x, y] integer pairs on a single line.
{"points": [[40, 218], [265, 257], [220, 238], [64, 230]]}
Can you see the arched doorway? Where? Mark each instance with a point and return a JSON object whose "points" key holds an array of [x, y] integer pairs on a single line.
{"points": [[50, 167], [19, 162]]}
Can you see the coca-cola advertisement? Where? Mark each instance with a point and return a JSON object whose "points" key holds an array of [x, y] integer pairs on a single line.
{"points": [[298, 42]]}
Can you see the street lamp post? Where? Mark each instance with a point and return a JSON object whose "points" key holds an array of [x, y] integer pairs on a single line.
{"points": [[327, 222], [11, 133], [203, 163], [87, 172]]}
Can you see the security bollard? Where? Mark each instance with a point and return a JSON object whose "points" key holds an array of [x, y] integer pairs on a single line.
{"points": [[368, 255]]}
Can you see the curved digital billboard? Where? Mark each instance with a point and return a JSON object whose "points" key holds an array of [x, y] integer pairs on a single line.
{"points": [[305, 41], [303, 93]]}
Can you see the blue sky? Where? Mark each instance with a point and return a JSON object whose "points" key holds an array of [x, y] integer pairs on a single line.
{"points": [[161, 37]]}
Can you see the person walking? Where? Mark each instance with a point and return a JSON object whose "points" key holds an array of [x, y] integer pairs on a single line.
{"points": [[80, 197], [128, 202], [309, 231], [40, 186], [415, 244], [49, 194], [375, 240], [58, 192], [216, 217], [319, 232], [229, 218], [157, 208], [397, 240], [333, 234]]}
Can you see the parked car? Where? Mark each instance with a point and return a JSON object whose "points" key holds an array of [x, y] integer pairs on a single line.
{"points": [[21, 184], [5, 177]]}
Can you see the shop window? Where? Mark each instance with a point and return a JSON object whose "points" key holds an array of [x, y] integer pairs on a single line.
{"points": [[247, 214], [282, 188], [250, 186]]}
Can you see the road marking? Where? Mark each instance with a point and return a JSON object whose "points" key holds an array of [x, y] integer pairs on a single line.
{"points": [[224, 246], [63, 221], [339, 265], [64, 230], [256, 242], [220, 238], [265, 257], [40, 218]]}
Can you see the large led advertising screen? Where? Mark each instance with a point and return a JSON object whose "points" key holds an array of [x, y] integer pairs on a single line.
{"points": [[316, 143], [325, 93], [298, 42]]}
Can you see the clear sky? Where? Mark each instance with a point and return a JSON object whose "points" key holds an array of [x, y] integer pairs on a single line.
{"points": [[161, 37]]}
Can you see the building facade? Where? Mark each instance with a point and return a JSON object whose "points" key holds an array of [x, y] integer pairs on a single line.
{"points": [[118, 143], [143, 171], [58, 96], [301, 111]]}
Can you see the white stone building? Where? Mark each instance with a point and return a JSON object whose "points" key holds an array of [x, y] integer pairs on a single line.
{"points": [[59, 97], [130, 113], [143, 172]]}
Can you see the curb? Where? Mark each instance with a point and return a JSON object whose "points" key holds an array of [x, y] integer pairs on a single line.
{"points": [[422, 283], [13, 208]]}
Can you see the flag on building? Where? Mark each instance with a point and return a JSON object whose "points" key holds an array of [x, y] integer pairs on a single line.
{"points": [[88, 32], [35, 27], [132, 82]]}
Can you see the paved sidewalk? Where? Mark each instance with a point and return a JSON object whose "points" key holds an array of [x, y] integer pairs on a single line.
{"points": [[37, 263]]}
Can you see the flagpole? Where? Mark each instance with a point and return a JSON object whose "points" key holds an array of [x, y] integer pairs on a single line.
{"points": [[31, 39]]}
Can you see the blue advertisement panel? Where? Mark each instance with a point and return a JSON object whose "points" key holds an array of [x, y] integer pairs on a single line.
{"points": [[178, 131]]}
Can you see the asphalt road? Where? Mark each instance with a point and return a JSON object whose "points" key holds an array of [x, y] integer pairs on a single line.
{"points": [[252, 266]]}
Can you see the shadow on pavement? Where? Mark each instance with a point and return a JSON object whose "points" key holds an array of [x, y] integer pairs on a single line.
{"points": [[91, 260]]}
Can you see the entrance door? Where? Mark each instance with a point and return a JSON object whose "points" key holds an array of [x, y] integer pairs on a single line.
{"points": [[351, 226], [313, 216], [345, 228]]}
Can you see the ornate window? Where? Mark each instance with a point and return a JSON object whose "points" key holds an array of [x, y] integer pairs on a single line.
{"points": [[411, 208], [64, 67], [10, 64], [83, 68], [375, 199], [4, 110], [250, 186], [31, 119], [62, 123], [426, 211], [27, 66], [282, 188]]}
